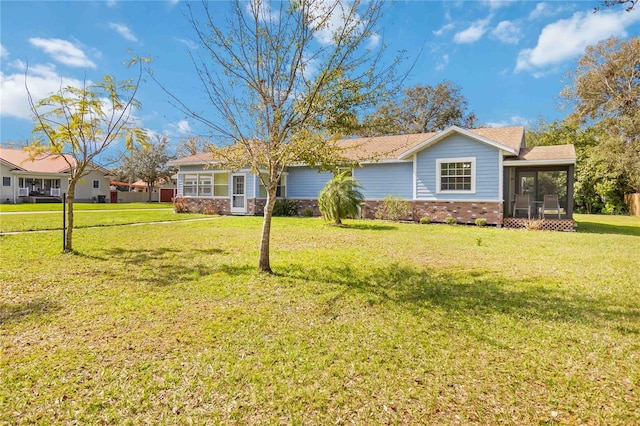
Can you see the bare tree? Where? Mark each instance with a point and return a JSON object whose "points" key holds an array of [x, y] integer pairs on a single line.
{"points": [[284, 80]]}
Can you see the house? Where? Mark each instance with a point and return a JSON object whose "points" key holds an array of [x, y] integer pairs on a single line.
{"points": [[46, 177], [456, 172], [164, 190]]}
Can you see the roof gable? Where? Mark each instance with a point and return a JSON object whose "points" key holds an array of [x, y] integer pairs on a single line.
{"points": [[479, 135]]}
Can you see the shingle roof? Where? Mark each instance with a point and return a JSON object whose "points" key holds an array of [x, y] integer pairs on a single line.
{"points": [[546, 153], [202, 158], [390, 147], [42, 163]]}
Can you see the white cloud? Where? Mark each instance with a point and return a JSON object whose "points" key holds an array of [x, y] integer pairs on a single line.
{"points": [[262, 10], [42, 80], [568, 38], [183, 126], [443, 63], [111, 3], [123, 30], [514, 120], [330, 16], [540, 10], [496, 4], [507, 32], [174, 2], [63, 51], [191, 45], [473, 33], [443, 29], [374, 41], [4, 53]]}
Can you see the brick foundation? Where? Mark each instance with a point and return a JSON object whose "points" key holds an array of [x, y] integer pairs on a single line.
{"points": [[438, 211], [202, 205]]}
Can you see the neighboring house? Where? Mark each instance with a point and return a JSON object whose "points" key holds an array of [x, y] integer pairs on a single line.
{"points": [[45, 178], [466, 174], [164, 190]]}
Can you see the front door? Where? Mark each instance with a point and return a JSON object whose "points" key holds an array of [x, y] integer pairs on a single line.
{"points": [[238, 196]]}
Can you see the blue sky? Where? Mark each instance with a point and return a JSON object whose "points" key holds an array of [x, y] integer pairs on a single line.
{"points": [[509, 57]]}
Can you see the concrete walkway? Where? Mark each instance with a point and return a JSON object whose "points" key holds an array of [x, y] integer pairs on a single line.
{"points": [[163, 222], [88, 211]]}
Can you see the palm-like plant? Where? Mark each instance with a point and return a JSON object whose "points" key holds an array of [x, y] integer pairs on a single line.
{"points": [[340, 198]]}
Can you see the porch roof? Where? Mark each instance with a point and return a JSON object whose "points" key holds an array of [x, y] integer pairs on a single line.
{"points": [[544, 155]]}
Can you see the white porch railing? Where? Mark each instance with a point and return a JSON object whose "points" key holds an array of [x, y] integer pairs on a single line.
{"points": [[23, 192], [55, 192]]}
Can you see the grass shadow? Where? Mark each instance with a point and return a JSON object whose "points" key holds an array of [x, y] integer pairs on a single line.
{"points": [[479, 295], [10, 312], [369, 227], [603, 228], [161, 266]]}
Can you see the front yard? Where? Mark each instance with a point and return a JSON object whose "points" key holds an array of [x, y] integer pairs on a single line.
{"points": [[372, 323]]}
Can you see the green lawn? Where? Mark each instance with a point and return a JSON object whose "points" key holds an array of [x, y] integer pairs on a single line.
{"points": [[373, 323], [81, 206], [87, 215]]}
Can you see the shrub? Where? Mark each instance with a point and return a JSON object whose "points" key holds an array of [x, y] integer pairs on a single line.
{"points": [[393, 208], [481, 221], [179, 206], [285, 207], [308, 212], [340, 198], [425, 220], [450, 220]]}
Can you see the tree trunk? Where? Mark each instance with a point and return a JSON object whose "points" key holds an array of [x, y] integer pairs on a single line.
{"points": [[149, 189], [264, 264], [68, 243]]}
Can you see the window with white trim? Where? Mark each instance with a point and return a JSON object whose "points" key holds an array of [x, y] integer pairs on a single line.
{"points": [[96, 184], [6, 180], [456, 175], [281, 191], [205, 184], [190, 185], [221, 184]]}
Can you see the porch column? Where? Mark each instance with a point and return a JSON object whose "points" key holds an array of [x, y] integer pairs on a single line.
{"points": [[570, 179]]}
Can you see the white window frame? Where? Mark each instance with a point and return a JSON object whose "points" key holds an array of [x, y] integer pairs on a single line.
{"points": [[441, 161], [198, 184], [228, 184], [96, 184], [283, 178]]}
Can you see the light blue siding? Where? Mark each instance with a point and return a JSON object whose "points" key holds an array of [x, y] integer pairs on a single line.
{"points": [[303, 182], [382, 179], [487, 166]]}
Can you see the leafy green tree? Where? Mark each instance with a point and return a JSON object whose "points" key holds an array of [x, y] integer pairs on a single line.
{"points": [[79, 124], [149, 163], [340, 198], [284, 80], [599, 167], [421, 109], [604, 92]]}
